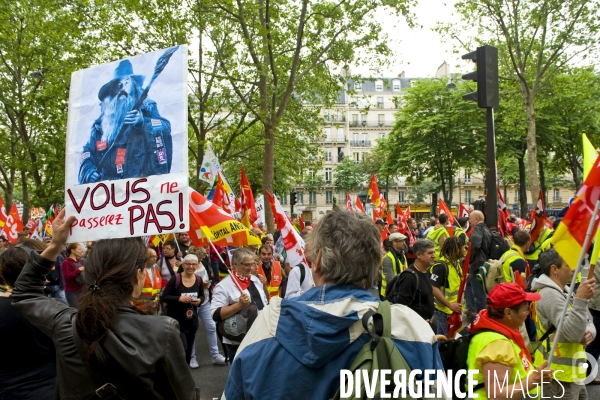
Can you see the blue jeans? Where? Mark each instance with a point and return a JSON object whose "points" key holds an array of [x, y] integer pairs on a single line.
{"points": [[211, 331], [215, 269], [440, 322], [57, 293], [474, 294]]}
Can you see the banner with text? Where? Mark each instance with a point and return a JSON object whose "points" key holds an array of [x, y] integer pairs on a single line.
{"points": [[126, 160]]}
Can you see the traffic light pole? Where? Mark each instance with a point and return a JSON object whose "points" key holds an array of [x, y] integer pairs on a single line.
{"points": [[491, 200]]}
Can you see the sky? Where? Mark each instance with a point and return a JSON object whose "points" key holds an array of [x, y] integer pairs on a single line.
{"points": [[420, 51]]}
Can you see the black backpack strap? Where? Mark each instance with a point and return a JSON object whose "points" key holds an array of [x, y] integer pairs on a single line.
{"points": [[302, 273], [377, 326]]}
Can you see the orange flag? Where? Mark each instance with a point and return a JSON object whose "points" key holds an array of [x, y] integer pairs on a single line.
{"points": [[13, 225], [249, 214], [443, 209], [569, 236], [220, 197], [374, 194], [3, 215]]}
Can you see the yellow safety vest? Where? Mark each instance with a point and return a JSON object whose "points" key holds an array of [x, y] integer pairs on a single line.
{"points": [[538, 244], [567, 359], [478, 343], [458, 231], [451, 292], [507, 258], [435, 236], [394, 270]]}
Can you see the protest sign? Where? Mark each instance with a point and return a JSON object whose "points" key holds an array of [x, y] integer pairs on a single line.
{"points": [[126, 160]]}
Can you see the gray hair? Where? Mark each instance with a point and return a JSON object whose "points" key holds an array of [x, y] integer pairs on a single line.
{"points": [[422, 245], [240, 254], [351, 248], [547, 259]]}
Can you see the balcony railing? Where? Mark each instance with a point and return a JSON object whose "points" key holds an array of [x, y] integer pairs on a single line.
{"points": [[360, 143], [337, 139], [371, 124], [334, 118]]}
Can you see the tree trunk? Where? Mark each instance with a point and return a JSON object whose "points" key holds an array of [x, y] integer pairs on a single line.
{"points": [[522, 187], [450, 191], [25, 214], [542, 184], [534, 184], [574, 167], [268, 173]]}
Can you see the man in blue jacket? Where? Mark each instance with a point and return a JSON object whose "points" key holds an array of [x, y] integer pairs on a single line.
{"points": [[296, 348]]}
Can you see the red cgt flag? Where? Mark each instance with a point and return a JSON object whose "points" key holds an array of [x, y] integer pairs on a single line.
{"points": [[463, 211], [13, 225], [402, 220], [443, 209], [374, 194], [407, 212], [349, 206], [359, 205]]}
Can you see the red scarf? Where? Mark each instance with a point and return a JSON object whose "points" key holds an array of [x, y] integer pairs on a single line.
{"points": [[243, 281], [483, 321]]}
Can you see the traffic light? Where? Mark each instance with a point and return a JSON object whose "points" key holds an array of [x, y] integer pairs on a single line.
{"points": [[293, 198], [486, 76]]}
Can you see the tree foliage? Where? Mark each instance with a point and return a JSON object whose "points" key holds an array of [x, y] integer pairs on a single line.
{"points": [[349, 176], [436, 133]]}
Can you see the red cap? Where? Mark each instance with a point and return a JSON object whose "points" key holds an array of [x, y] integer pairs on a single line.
{"points": [[507, 295]]}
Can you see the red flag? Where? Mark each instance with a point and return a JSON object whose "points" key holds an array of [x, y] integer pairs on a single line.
{"points": [[382, 203], [374, 194], [407, 212], [292, 241], [443, 209], [220, 197], [463, 211], [376, 215], [349, 202], [359, 205], [13, 225], [301, 223], [401, 218], [538, 221], [248, 209]]}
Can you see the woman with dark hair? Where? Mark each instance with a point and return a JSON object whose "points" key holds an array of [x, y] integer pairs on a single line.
{"points": [[107, 346], [28, 370], [72, 267], [169, 264]]}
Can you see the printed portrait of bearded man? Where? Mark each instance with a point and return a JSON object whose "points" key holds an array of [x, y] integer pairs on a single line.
{"points": [[126, 143]]}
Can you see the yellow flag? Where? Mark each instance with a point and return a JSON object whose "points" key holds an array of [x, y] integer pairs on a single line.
{"points": [[589, 155]]}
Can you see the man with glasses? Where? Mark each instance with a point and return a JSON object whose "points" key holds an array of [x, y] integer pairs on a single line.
{"points": [[270, 269]]}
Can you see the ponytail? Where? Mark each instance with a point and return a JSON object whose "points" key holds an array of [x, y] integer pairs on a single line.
{"points": [[109, 275]]}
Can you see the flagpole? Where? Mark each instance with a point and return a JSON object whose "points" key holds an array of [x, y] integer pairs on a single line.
{"points": [[586, 243], [219, 255]]}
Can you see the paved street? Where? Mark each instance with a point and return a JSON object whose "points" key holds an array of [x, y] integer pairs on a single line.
{"points": [[209, 378]]}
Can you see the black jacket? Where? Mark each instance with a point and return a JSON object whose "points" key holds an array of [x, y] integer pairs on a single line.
{"points": [[481, 241], [147, 352]]}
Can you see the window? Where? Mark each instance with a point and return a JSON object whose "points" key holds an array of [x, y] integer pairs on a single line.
{"points": [[300, 197], [467, 177], [413, 82], [327, 132], [557, 195], [312, 197], [365, 139], [328, 175], [340, 116], [380, 119], [379, 85], [356, 157], [355, 138], [396, 85], [327, 115], [340, 135], [329, 197], [363, 119], [357, 86], [516, 196], [311, 174], [354, 120], [363, 156], [401, 195], [379, 102], [328, 154], [382, 136], [284, 198], [468, 196]]}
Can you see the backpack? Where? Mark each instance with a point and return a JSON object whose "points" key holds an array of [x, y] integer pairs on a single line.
{"points": [[498, 246], [490, 274], [283, 286], [391, 287], [377, 354], [454, 354], [198, 281]]}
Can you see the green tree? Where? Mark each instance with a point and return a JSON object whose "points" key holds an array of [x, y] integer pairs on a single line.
{"points": [[436, 133], [537, 39], [349, 176], [418, 192], [271, 52]]}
